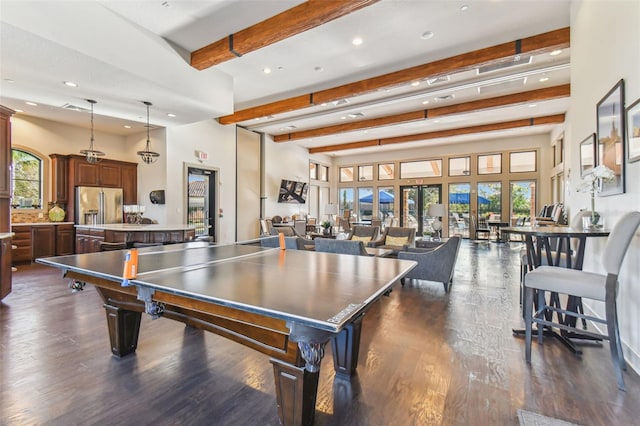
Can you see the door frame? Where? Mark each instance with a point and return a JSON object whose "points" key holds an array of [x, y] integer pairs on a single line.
{"points": [[216, 198], [420, 204]]}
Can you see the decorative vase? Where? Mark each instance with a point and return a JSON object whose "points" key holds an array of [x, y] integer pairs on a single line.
{"points": [[56, 214], [327, 231]]}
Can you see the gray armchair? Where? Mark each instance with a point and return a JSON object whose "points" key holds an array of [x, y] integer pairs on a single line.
{"points": [[341, 246], [290, 243], [396, 239], [434, 264], [363, 233]]}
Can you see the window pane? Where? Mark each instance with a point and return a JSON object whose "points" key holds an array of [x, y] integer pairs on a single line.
{"points": [[522, 161], [365, 173], [324, 173], [26, 179], [522, 202], [459, 207], [346, 174], [313, 171], [489, 164], [346, 200], [489, 200], [417, 169], [459, 166], [386, 171], [365, 203], [386, 197]]}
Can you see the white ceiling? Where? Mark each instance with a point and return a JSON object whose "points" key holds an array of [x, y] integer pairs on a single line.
{"points": [[123, 52]]}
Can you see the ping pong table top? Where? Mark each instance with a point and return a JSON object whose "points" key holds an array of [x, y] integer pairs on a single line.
{"points": [[321, 290]]}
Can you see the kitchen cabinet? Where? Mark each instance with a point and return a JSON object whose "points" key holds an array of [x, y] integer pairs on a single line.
{"points": [[88, 240], [65, 239], [43, 241], [5, 267], [5, 168], [104, 174], [60, 168], [130, 184], [22, 240]]}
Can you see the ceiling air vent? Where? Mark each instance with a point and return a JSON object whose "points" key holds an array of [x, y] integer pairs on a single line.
{"points": [[340, 102], [436, 80], [516, 61], [444, 98], [75, 108]]}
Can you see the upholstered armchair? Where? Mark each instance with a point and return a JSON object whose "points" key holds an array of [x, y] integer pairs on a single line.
{"points": [[341, 246], [434, 264], [365, 234], [396, 239]]}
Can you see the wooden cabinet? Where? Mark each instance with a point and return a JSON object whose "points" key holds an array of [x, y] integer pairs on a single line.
{"points": [[60, 169], [65, 236], [5, 267], [43, 241], [22, 240], [107, 174], [5, 168], [130, 184], [88, 240]]}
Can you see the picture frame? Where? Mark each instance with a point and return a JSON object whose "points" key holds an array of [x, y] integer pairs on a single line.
{"points": [[633, 131], [587, 154], [611, 136]]}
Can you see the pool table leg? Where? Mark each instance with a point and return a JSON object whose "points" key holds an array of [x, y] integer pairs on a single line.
{"points": [[124, 327], [345, 347], [296, 391]]}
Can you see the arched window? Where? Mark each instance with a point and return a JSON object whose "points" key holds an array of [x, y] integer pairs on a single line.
{"points": [[27, 179]]}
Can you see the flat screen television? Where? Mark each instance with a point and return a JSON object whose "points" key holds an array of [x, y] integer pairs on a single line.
{"points": [[292, 191]]}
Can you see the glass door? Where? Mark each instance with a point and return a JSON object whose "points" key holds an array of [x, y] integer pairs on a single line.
{"points": [[414, 206], [201, 201], [523, 202], [459, 209]]}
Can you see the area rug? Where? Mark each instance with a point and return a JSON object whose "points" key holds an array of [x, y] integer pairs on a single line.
{"points": [[527, 418]]}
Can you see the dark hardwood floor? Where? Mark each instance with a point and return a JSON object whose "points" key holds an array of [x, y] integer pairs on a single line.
{"points": [[426, 358]]}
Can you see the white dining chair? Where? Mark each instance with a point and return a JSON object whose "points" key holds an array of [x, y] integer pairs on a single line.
{"points": [[586, 285]]}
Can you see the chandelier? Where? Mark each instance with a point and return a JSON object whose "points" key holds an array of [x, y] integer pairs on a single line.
{"points": [[147, 155], [92, 155]]}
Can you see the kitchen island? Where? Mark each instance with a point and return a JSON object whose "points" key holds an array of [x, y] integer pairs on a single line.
{"points": [[90, 238]]}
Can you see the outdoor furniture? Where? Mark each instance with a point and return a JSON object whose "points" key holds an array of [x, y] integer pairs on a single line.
{"points": [[395, 238], [481, 227], [579, 284], [434, 264]]}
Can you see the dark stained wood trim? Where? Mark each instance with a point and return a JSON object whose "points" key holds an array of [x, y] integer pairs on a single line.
{"points": [[550, 119], [537, 44], [296, 20], [482, 104]]}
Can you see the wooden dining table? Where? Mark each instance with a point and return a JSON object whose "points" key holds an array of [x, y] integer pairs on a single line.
{"points": [[553, 242]]}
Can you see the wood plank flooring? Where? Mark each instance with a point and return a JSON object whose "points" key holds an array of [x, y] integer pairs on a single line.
{"points": [[426, 358]]}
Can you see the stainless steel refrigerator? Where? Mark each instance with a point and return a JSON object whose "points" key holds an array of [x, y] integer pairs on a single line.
{"points": [[96, 206]]}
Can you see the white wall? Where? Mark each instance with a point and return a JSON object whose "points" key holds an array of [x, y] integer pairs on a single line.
{"points": [[605, 47]]}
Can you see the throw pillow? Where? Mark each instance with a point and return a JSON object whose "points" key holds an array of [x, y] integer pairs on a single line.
{"points": [[396, 241], [363, 239]]}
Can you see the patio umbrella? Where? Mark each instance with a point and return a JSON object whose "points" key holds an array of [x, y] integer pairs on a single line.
{"points": [[463, 198], [383, 198]]}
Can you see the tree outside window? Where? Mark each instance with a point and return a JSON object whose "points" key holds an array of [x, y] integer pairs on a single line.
{"points": [[27, 179]]}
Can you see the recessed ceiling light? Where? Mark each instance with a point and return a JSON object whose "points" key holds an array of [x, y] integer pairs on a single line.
{"points": [[126, 126], [543, 79], [425, 102], [31, 103], [70, 84], [8, 80], [170, 114], [18, 110], [436, 121], [266, 70], [532, 105], [464, 7], [556, 52], [357, 41], [343, 118], [415, 83], [426, 35]]}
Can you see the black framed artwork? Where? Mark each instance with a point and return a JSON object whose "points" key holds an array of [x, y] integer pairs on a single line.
{"points": [[587, 154], [633, 132], [611, 136]]}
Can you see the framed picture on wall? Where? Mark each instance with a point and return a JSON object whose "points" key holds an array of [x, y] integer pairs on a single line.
{"points": [[633, 132], [611, 137], [587, 154]]}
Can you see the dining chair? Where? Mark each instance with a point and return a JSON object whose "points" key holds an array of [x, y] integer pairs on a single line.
{"points": [[481, 227], [586, 285]]}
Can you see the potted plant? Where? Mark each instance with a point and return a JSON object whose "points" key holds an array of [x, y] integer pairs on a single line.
{"points": [[326, 225]]}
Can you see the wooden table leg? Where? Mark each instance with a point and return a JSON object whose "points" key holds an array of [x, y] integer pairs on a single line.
{"points": [[346, 347], [296, 391], [124, 328]]}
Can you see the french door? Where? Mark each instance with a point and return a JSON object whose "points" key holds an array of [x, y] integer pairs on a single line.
{"points": [[414, 205]]}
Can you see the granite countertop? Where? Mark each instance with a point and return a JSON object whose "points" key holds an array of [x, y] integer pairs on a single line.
{"points": [[134, 228], [41, 223], [4, 235]]}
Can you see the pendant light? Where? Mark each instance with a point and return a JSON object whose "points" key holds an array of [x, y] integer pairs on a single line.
{"points": [[92, 155], [147, 155]]}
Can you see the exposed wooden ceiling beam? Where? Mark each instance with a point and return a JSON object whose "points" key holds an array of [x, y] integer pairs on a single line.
{"points": [[526, 122], [537, 44], [548, 93], [296, 20]]}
